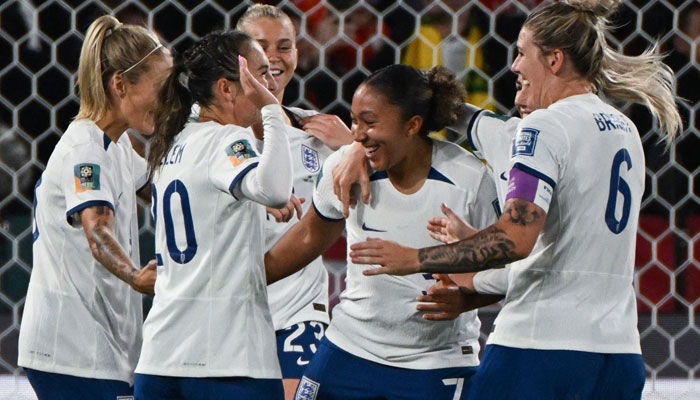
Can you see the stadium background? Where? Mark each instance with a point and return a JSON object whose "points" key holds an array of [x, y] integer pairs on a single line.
{"points": [[340, 42]]}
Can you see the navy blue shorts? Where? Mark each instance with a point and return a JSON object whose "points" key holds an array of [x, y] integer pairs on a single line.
{"points": [[154, 387], [296, 345], [523, 374], [49, 385], [336, 374]]}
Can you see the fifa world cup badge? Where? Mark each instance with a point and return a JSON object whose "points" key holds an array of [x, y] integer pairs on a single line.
{"points": [[87, 177], [239, 152]]}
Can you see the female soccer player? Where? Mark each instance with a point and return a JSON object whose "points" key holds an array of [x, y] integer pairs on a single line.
{"points": [[81, 329], [378, 345], [298, 303], [209, 334], [569, 224]]}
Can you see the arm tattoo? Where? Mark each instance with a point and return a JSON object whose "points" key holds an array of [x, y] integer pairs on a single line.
{"points": [[522, 213], [489, 248], [109, 253]]}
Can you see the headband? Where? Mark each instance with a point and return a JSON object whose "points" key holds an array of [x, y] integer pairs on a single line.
{"points": [[141, 60]]}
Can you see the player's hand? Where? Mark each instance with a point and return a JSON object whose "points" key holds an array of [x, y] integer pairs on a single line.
{"points": [[393, 258], [352, 169], [450, 228], [329, 129], [286, 213], [443, 302], [145, 279], [252, 88]]}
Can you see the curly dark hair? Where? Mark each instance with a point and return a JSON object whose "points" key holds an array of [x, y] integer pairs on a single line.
{"points": [[434, 95]]}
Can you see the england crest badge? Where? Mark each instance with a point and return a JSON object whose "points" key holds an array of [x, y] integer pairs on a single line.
{"points": [[87, 177], [307, 390], [309, 157]]}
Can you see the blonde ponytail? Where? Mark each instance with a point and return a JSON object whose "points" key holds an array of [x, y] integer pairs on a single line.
{"points": [[642, 79], [111, 47], [93, 99], [578, 28]]}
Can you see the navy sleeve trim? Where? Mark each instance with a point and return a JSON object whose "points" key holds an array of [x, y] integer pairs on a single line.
{"points": [[323, 217], [240, 176], [537, 174], [470, 127], [81, 207]]}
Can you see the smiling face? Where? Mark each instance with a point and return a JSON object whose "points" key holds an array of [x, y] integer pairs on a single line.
{"points": [[278, 41], [530, 65], [141, 97], [379, 127], [523, 97]]}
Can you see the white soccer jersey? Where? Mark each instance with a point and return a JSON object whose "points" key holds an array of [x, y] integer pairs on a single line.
{"points": [[575, 291], [79, 319], [376, 318], [490, 138], [302, 296], [210, 315]]}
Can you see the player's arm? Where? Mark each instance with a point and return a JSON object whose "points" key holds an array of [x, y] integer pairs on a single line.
{"points": [[352, 169], [98, 224], [306, 240], [510, 239], [451, 296]]}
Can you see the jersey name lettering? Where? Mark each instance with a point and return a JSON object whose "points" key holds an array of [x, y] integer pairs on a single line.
{"points": [[609, 122], [174, 155]]}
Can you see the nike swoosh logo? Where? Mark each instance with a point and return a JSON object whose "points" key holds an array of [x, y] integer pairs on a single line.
{"points": [[366, 228], [503, 176], [301, 362]]}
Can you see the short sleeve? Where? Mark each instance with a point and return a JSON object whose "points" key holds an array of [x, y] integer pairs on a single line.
{"points": [[538, 156], [491, 281], [490, 135], [325, 202], [87, 179], [232, 158]]}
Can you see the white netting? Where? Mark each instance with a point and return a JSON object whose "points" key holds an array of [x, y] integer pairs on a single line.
{"points": [[340, 42]]}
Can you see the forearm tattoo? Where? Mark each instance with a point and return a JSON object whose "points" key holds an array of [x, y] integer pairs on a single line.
{"points": [[489, 248], [109, 252]]}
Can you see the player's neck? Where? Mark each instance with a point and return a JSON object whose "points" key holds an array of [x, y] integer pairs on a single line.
{"points": [[112, 126], [409, 175], [214, 113], [567, 88]]}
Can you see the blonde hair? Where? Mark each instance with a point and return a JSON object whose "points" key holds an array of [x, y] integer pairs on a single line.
{"points": [[578, 27], [111, 47], [258, 11]]}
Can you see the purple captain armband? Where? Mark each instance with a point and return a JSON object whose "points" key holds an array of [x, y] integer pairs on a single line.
{"points": [[527, 184]]}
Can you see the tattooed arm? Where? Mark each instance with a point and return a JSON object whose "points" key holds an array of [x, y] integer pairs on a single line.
{"points": [[510, 239], [98, 224]]}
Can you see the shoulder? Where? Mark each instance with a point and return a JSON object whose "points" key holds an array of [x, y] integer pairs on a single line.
{"points": [[456, 163], [84, 133]]}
